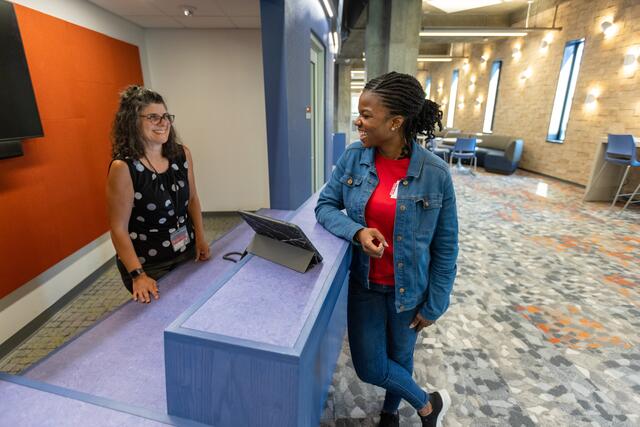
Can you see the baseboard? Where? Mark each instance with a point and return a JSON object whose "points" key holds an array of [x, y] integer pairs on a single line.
{"points": [[553, 177]]}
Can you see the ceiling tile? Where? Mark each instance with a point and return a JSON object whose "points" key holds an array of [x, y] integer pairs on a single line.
{"points": [[206, 22], [240, 7], [246, 21], [128, 7], [202, 7], [154, 21]]}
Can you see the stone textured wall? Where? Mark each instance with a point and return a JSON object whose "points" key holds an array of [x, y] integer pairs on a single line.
{"points": [[523, 107]]}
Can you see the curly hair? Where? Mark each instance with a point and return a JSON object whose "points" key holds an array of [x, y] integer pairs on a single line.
{"points": [[125, 133], [403, 96]]}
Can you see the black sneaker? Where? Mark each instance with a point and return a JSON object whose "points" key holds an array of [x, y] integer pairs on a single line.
{"points": [[440, 402], [389, 420]]}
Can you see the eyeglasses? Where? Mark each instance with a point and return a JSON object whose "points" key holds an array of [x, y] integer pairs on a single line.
{"points": [[156, 119]]}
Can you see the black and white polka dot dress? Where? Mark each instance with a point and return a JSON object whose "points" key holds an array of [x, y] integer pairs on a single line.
{"points": [[159, 208]]}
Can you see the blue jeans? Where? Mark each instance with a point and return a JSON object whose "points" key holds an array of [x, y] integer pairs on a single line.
{"points": [[382, 344]]}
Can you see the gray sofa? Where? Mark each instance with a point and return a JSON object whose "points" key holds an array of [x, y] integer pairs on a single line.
{"points": [[496, 153]]}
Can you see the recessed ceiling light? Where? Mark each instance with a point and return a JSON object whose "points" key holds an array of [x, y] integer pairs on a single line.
{"points": [[188, 10]]}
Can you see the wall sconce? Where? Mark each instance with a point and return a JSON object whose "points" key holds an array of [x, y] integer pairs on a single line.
{"points": [[478, 101], [516, 53], [591, 100], [461, 103], [472, 84], [465, 66], [443, 102], [632, 56], [629, 59], [546, 41], [484, 58], [526, 74], [439, 90], [608, 28]]}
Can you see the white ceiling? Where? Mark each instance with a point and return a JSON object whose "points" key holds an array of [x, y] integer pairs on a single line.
{"points": [[169, 13]]}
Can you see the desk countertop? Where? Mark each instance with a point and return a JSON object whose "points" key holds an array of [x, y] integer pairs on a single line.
{"points": [[268, 303]]}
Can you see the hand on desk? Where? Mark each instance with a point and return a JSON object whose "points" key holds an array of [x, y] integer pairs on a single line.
{"points": [[203, 252], [143, 288]]}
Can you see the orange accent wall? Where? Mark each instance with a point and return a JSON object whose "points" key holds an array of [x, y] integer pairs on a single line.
{"points": [[52, 200]]}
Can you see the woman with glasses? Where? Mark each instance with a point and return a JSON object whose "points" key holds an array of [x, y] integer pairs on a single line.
{"points": [[154, 210]]}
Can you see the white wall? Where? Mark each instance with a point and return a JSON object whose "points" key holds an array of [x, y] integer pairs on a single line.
{"points": [[212, 81], [23, 305]]}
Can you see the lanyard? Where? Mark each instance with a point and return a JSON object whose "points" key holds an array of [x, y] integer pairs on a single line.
{"points": [[174, 185]]}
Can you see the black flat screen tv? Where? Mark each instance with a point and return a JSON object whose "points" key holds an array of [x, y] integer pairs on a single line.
{"points": [[19, 117]]}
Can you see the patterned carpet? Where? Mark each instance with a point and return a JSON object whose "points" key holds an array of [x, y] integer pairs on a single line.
{"points": [[544, 318]]}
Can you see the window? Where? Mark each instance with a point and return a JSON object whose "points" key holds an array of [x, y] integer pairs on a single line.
{"points": [[564, 93], [427, 88], [492, 95], [451, 109]]}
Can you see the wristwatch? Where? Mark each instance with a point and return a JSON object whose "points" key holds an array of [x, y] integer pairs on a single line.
{"points": [[136, 273]]}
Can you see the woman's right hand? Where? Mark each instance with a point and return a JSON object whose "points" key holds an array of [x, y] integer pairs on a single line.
{"points": [[372, 241], [143, 288]]}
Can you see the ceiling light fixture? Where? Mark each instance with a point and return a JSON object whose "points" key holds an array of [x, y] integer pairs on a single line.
{"points": [[472, 32], [188, 10], [327, 8], [434, 58], [335, 45], [452, 6]]}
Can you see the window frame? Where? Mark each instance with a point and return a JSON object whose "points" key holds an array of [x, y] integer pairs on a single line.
{"points": [[453, 98], [558, 135], [489, 129]]}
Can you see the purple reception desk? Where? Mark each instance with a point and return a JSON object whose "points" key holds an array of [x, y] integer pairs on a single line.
{"points": [[260, 348], [27, 404]]}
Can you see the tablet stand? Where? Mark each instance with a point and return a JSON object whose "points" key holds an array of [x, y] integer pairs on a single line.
{"points": [[281, 253]]}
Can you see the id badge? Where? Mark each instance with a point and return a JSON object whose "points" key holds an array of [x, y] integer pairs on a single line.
{"points": [[394, 190], [180, 238]]}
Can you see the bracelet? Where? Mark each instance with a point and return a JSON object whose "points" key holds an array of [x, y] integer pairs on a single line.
{"points": [[136, 273]]}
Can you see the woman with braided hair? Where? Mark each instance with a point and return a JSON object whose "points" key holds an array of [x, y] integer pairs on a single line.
{"points": [[154, 210], [401, 220]]}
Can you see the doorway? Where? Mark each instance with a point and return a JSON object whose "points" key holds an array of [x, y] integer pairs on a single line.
{"points": [[316, 113]]}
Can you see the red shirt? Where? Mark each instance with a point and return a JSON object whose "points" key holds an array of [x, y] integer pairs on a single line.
{"points": [[380, 213]]}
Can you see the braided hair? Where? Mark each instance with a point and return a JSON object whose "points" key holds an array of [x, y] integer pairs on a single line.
{"points": [[403, 96], [125, 133]]}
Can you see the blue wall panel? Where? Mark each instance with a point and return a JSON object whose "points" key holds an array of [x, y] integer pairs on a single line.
{"points": [[286, 42]]}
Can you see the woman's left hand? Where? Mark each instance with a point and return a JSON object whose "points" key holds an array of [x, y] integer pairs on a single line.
{"points": [[420, 323], [203, 252]]}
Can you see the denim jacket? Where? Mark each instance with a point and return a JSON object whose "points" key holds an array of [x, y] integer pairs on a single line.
{"points": [[425, 234]]}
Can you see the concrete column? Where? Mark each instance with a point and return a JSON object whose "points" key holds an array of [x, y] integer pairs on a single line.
{"points": [[392, 37], [404, 35], [342, 117], [377, 38]]}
